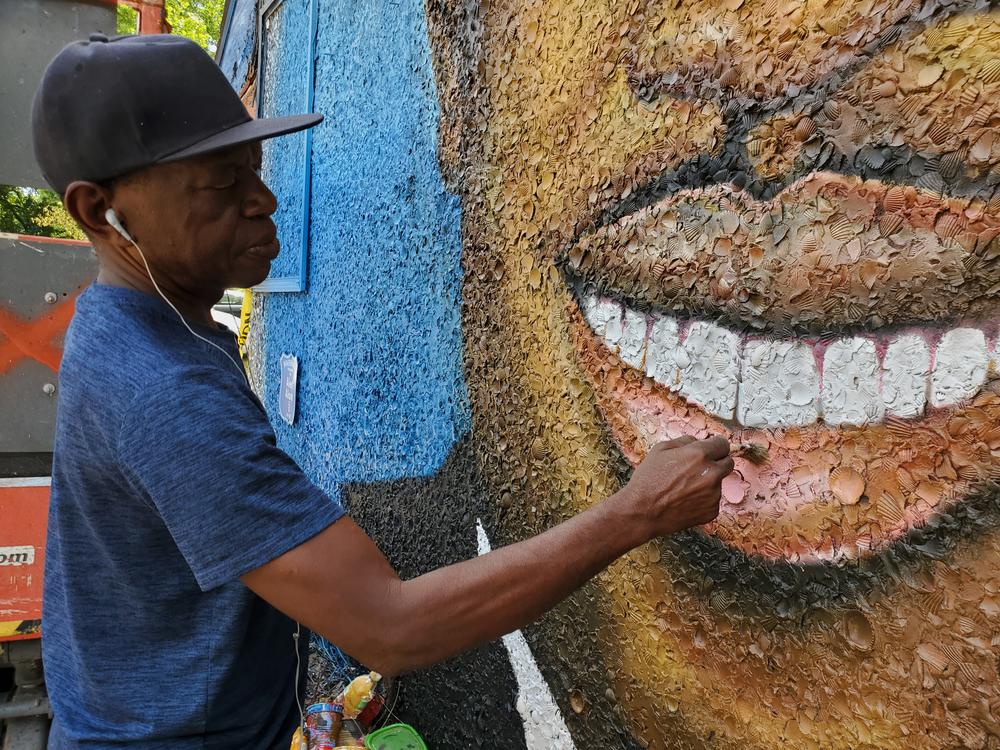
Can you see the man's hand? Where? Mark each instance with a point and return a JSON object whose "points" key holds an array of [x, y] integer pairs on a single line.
{"points": [[678, 485]]}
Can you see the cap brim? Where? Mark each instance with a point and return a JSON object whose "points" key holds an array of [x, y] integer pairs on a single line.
{"points": [[246, 132]]}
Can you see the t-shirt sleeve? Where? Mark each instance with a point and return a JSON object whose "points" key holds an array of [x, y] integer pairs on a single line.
{"points": [[200, 447]]}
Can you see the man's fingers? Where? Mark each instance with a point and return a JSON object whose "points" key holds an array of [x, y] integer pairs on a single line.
{"points": [[715, 448], [676, 442], [726, 466]]}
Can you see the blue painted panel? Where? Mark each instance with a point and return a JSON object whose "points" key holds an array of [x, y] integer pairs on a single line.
{"points": [[381, 393], [237, 42], [286, 32]]}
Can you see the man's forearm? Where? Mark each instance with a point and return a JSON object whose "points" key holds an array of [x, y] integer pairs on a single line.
{"points": [[461, 606], [339, 584]]}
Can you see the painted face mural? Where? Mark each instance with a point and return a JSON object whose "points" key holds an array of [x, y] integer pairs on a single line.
{"points": [[778, 222]]}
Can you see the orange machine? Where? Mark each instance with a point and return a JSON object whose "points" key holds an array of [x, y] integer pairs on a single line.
{"points": [[40, 279]]}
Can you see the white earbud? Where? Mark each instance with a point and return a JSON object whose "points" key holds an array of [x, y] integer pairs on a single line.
{"points": [[112, 218]]}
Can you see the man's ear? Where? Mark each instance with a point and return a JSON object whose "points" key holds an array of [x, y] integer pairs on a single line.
{"points": [[453, 31], [87, 203]]}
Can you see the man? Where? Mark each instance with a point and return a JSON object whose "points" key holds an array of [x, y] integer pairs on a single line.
{"points": [[183, 545], [801, 190]]}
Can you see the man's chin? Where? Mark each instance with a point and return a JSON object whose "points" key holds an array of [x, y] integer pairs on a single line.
{"points": [[253, 275]]}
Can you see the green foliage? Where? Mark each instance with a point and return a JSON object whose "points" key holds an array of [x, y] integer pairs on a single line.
{"points": [[127, 21], [200, 20], [37, 212]]}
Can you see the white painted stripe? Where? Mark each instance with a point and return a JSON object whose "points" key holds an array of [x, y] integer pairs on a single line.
{"points": [[544, 727], [25, 482]]}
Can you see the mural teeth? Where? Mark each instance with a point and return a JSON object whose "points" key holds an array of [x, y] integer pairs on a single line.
{"points": [[605, 318], [632, 345], [664, 341], [993, 366], [779, 385], [709, 368], [905, 369], [850, 382], [960, 364]]}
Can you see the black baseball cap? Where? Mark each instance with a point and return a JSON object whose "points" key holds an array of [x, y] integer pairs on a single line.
{"points": [[109, 106]]}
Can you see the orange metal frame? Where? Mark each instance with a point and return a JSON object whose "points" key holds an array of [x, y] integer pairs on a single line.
{"points": [[24, 502]]}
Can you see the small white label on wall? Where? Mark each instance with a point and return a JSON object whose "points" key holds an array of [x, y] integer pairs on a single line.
{"points": [[17, 556], [287, 389]]}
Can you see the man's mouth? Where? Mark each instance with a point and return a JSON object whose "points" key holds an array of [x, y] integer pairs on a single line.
{"points": [[819, 323], [265, 251]]}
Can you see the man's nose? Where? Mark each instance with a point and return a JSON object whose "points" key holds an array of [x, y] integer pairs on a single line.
{"points": [[259, 200]]}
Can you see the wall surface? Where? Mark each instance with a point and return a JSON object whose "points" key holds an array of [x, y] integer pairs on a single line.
{"points": [[377, 335], [237, 47], [772, 221]]}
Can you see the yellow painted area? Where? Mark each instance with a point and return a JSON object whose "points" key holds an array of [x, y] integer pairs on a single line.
{"points": [[244, 332], [19, 629]]}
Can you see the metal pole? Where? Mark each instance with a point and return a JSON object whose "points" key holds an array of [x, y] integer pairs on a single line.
{"points": [[16, 709]]}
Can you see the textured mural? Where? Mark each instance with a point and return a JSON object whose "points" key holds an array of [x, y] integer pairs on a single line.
{"points": [[546, 235], [776, 221]]}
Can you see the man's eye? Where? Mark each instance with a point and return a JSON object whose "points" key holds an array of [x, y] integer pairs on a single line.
{"points": [[223, 184]]}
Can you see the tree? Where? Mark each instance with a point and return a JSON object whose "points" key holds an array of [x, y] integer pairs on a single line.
{"points": [[38, 212], [199, 20], [127, 21]]}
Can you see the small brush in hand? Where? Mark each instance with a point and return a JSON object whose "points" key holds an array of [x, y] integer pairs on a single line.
{"points": [[755, 453]]}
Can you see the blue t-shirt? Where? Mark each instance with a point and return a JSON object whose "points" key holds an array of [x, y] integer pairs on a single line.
{"points": [[167, 486]]}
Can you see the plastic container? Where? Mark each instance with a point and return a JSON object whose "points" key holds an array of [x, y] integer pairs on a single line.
{"points": [[395, 737]]}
